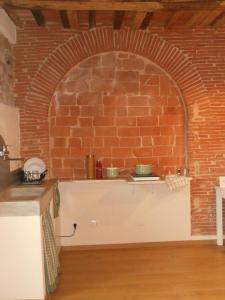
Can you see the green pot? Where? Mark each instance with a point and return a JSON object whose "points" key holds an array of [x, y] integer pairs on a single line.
{"points": [[143, 169], [112, 172]]}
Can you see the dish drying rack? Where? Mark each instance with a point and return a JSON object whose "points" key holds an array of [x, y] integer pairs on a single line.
{"points": [[33, 177]]}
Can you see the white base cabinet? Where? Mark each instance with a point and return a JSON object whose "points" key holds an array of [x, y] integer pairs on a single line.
{"points": [[21, 258]]}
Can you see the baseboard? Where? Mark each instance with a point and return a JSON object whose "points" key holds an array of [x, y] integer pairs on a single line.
{"points": [[194, 241]]}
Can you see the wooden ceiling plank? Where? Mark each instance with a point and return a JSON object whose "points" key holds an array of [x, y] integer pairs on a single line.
{"points": [[73, 19], [174, 18], [219, 21], [118, 19], [212, 17], [197, 18], [179, 18], [138, 20], [141, 6], [39, 17], [64, 19], [146, 20], [92, 19], [13, 15]]}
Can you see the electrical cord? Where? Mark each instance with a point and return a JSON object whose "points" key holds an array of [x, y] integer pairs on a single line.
{"points": [[70, 235]]}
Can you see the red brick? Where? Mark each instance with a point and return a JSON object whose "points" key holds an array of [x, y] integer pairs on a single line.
{"points": [[79, 152], [74, 111], [121, 152], [149, 79], [126, 121], [80, 173], [150, 90], [138, 101], [74, 142], [88, 141], [115, 100], [89, 98], [63, 111], [59, 152], [67, 99], [127, 131], [101, 85], [115, 111], [130, 142], [142, 152], [82, 132], [66, 121], [147, 121], [127, 76], [111, 141], [126, 87], [162, 140], [63, 173], [85, 122], [105, 131], [138, 111], [103, 121], [73, 163], [149, 131], [164, 86], [116, 162], [131, 162], [56, 163], [132, 64], [102, 152], [60, 131], [162, 150], [170, 120], [156, 110], [75, 86], [88, 111], [60, 142], [103, 73], [109, 59]]}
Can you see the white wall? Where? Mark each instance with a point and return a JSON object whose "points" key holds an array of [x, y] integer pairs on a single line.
{"points": [[7, 27], [10, 131], [114, 212]]}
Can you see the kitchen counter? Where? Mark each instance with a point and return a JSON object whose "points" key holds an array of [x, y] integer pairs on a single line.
{"points": [[26, 200]]}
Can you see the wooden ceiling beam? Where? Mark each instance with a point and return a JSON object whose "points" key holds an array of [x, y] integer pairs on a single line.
{"points": [[146, 20], [140, 6], [38, 16], [91, 19], [118, 19], [138, 20], [64, 19]]}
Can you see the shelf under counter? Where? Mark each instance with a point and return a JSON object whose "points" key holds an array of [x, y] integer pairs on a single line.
{"points": [[119, 179]]}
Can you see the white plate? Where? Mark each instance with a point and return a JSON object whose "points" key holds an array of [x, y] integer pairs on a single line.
{"points": [[34, 165]]}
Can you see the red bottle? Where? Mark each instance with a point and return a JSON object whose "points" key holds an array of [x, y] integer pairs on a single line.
{"points": [[98, 170]]}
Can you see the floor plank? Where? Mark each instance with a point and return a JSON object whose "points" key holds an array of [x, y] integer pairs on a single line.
{"points": [[178, 272]]}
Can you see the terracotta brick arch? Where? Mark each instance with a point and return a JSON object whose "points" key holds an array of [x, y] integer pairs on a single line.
{"points": [[34, 117]]}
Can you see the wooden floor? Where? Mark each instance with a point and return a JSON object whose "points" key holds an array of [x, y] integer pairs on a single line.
{"points": [[187, 272]]}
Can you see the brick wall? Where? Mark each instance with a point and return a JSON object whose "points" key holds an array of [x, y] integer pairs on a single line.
{"points": [[122, 109], [196, 63], [6, 72]]}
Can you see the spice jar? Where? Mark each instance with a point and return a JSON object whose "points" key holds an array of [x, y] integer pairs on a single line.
{"points": [[90, 166], [98, 169]]}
